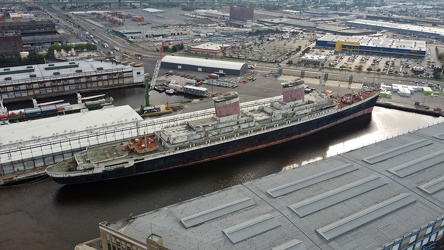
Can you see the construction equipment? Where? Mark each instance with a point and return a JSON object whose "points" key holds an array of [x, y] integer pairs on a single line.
{"points": [[148, 108]]}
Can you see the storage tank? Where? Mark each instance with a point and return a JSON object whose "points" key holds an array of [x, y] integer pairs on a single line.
{"points": [[48, 109]]}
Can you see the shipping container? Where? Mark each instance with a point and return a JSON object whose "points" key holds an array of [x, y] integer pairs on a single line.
{"points": [[62, 106], [93, 105], [33, 112], [48, 109], [19, 113]]}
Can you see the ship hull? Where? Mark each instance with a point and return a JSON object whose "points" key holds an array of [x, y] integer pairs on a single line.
{"points": [[229, 148]]}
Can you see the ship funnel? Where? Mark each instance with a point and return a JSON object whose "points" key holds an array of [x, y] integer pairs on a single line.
{"points": [[227, 104], [293, 90]]}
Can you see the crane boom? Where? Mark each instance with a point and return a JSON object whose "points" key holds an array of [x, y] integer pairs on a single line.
{"points": [[155, 74]]}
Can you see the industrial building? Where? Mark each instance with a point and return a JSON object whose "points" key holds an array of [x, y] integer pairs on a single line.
{"points": [[30, 35], [209, 48], [387, 195], [408, 29], [241, 13], [373, 45], [28, 27], [27, 148], [315, 27], [52, 79], [317, 59], [204, 65], [11, 43], [141, 32]]}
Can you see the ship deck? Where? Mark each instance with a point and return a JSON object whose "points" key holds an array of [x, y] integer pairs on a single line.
{"points": [[362, 199]]}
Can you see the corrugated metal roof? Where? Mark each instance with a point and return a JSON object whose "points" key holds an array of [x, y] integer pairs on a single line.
{"points": [[365, 216], [311, 180], [291, 245], [386, 154], [418, 164], [337, 195], [434, 186], [251, 228], [203, 62], [213, 213]]}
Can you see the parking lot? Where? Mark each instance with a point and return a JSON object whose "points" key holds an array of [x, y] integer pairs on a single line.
{"points": [[285, 47]]}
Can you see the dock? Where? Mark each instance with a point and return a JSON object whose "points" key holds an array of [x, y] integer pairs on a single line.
{"points": [[386, 195]]}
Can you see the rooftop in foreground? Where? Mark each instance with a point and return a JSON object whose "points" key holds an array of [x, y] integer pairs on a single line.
{"points": [[388, 194]]}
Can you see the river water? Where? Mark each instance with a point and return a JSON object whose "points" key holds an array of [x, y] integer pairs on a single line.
{"points": [[46, 215]]}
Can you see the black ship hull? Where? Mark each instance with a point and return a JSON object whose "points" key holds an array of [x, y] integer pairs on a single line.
{"points": [[229, 148]]}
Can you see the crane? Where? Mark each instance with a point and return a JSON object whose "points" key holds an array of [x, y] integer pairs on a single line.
{"points": [[150, 86]]}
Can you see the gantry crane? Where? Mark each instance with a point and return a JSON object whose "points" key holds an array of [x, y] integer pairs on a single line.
{"points": [[148, 108]]}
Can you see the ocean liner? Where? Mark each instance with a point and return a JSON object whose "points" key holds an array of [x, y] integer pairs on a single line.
{"points": [[231, 130]]}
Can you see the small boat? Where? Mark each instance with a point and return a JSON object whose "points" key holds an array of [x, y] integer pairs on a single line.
{"points": [[159, 89], [170, 91]]}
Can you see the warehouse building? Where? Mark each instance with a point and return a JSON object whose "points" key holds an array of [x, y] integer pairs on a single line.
{"points": [[316, 59], [416, 30], [28, 27], [373, 45], [209, 48], [204, 65], [388, 195], [11, 42], [42, 80]]}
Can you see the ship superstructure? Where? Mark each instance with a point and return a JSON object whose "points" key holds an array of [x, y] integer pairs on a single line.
{"points": [[229, 131]]}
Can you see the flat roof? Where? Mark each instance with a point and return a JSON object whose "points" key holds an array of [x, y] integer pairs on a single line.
{"points": [[66, 125], [210, 46], [203, 62], [22, 73], [380, 42], [401, 26], [362, 199]]}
